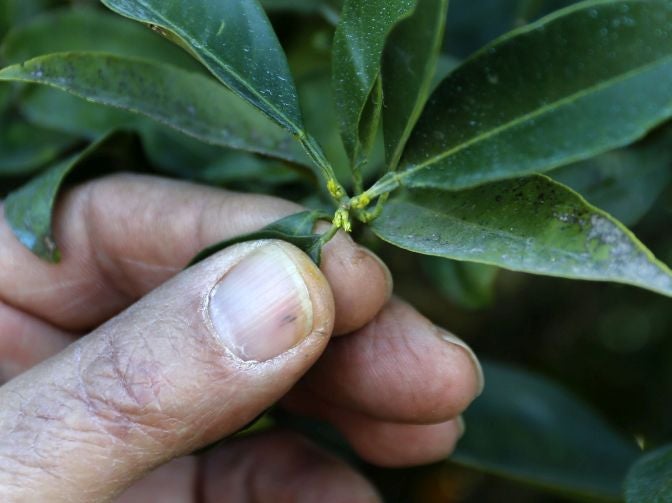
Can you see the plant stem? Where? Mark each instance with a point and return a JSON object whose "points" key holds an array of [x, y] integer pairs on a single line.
{"points": [[327, 236], [314, 151], [383, 186], [370, 216]]}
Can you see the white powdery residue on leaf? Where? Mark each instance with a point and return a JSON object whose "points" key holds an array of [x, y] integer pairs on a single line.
{"points": [[626, 260]]}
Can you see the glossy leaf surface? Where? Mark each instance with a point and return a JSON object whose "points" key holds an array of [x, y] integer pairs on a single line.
{"points": [[532, 225], [530, 429], [650, 478], [409, 65], [357, 56], [187, 102], [580, 82], [296, 229], [87, 29], [235, 41]]}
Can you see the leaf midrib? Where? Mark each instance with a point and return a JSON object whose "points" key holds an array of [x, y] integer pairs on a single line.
{"points": [[298, 131], [536, 113]]}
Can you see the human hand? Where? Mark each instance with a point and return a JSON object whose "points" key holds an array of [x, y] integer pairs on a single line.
{"points": [[175, 360]]}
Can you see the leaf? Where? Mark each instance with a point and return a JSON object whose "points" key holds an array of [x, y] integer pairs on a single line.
{"points": [[409, 65], [444, 66], [588, 79], [14, 12], [625, 183], [235, 41], [358, 48], [180, 156], [25, 148], [530, 10], [5, 97], [296, 229], [469, 29], [469, 285], [532, 225], [187, 102], [527, 428], [317, 103], [650, 478], [329, 9], [54, 109], [249, 174], [29, 209], [177, 154], [88, 29], [369, 122]]}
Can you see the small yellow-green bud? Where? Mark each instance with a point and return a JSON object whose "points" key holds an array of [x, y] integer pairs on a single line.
{"points": [[360, 202], [342, 220], [335, 189]]}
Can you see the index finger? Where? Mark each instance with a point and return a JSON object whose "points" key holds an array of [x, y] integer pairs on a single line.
{"points": [[122, 236]]}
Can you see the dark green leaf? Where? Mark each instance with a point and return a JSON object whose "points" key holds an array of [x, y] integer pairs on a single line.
{"points": [[235, 41], [29, 209], [329, 9], [296, 229], [320, 116], [24, 148], [531, 10], [358, 48], [86, 29], [187, 102], [188, 159], [527, 428], [470, 28], [178, 154], [14, 12], [5, 96], [532, 224], [650, 478], [238, 170], [444, 66], [469, 285], [586, 80], [625, 183], [369, 121], [409, 65], [61, 111]]}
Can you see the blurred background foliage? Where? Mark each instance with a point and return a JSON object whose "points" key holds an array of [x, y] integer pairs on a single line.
{"points": [[551, 346]]}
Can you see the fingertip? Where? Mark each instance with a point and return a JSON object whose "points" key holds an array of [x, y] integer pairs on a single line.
{"points": [[397, 445], [360, 281], [400, 368]]}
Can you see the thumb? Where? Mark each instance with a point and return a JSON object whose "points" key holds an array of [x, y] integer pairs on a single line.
{"points": [[192, 362]]}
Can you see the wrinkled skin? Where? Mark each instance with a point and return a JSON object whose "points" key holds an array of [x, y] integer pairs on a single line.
{"points": [[133, 381]]}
